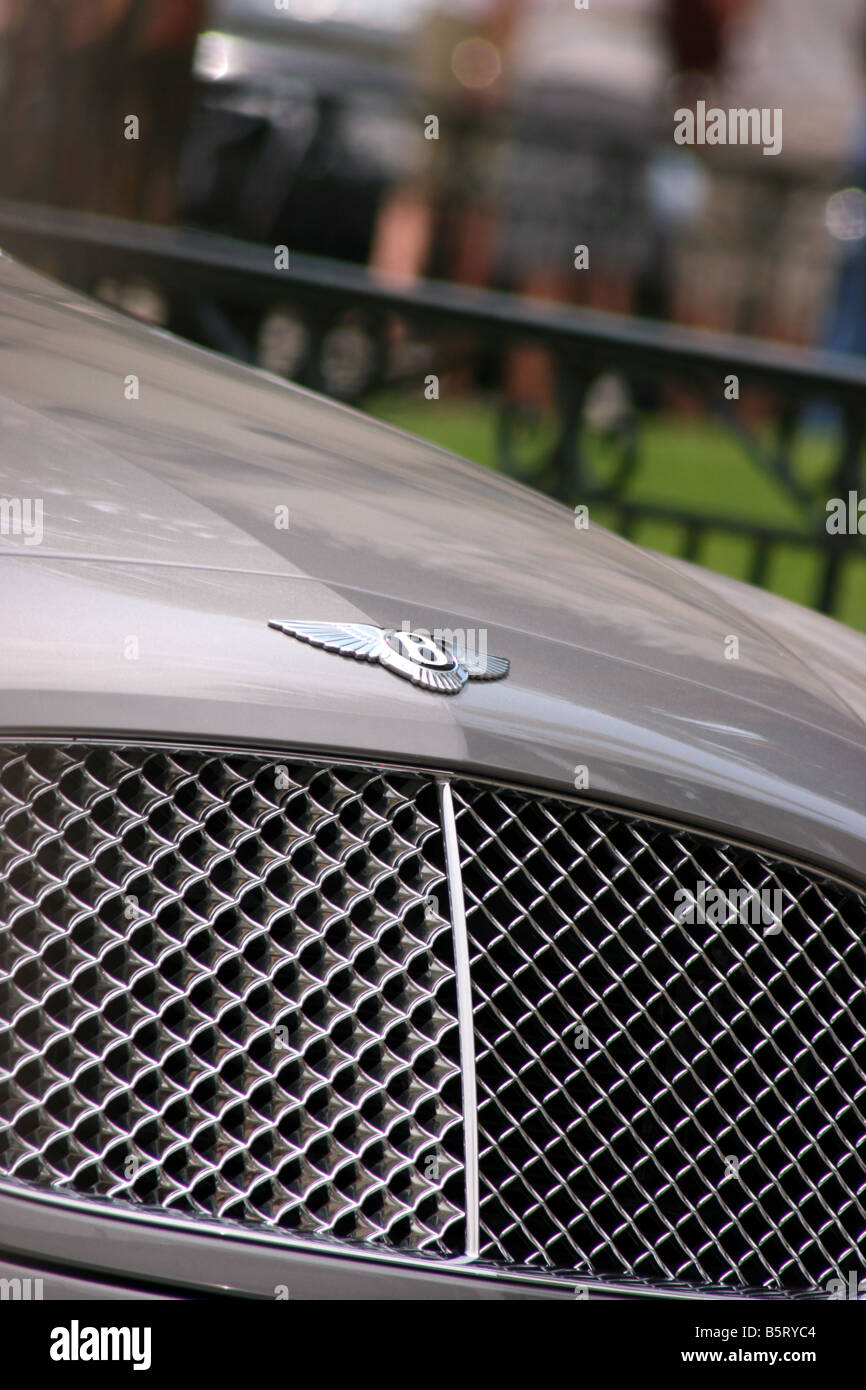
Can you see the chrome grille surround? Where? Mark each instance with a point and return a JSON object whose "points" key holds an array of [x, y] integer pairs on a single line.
{"points": [[162, 913], [224, 990]]}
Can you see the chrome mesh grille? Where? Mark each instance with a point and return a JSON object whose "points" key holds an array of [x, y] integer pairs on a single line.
{"points": [[227, 988], [224, 990], [606, 1151]]}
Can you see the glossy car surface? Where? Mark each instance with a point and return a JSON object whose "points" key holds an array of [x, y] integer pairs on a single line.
{"points": [[160, 520], [186, 508]]}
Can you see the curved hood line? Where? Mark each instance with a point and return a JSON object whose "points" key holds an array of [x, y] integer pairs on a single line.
{"points": [[617, 655]]}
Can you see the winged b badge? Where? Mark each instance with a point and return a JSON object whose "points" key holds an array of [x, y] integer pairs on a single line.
{"points": [[440, 663]]}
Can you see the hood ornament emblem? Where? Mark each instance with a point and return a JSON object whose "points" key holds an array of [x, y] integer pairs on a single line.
{"points": [[435, 664]]}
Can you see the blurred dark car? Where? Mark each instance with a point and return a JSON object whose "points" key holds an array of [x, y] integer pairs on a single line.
{"points": [[301, 121]]}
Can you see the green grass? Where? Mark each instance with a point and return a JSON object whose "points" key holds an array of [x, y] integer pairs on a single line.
{"points": [[690, 463]]}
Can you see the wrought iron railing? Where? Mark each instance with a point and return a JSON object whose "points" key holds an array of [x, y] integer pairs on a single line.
{"points": [[355, 332]]}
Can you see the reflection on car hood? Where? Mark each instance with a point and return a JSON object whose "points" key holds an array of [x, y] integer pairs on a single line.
{"points": [[221, 492]]}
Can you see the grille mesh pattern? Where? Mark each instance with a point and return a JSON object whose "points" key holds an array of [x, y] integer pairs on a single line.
{"points": [[223, 990], [606, 1150]]}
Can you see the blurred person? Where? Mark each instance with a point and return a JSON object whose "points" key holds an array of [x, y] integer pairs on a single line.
{"points": [[596, 79], [158, 39], [31, 49], [698, 33], [760, 261], [74, 70], [441, 222], [801, 56], [844, 329], [96, 40], [591, 83]]}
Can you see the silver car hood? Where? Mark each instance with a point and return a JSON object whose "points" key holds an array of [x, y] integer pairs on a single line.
{"points": [[142, 611]]}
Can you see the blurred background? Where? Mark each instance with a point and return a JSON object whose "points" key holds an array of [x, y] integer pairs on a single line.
{"points": [[480, 143]]}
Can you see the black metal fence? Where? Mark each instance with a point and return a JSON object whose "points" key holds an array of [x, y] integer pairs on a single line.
{"points": [[350, 333]]}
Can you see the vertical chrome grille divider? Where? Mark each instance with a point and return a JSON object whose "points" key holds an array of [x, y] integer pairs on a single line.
{"points": [[464, 1015]]}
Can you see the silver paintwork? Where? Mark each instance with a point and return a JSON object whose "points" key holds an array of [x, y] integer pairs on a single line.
{"points": [[160, 527], [159, 523], [36, 1284]]}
